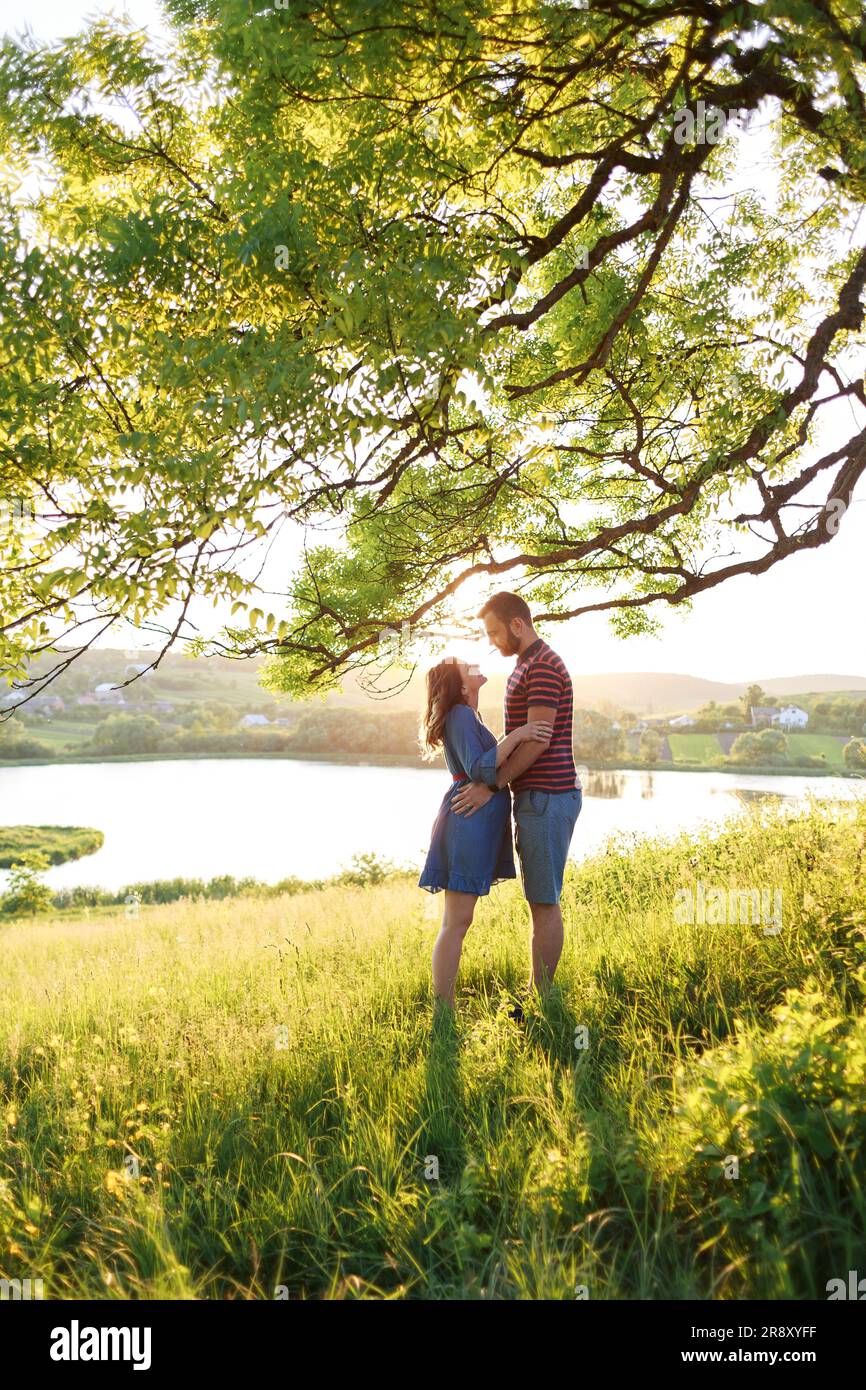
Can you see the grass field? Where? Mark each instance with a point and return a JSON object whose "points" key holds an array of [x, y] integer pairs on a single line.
{"points": [[56, 734], [700, 748], [815, 745], [226, 1100]]}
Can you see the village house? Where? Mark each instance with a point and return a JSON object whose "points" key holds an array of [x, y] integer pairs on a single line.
{"points": [[786, 716], [107, 694], [792, 717], [47, 705]]}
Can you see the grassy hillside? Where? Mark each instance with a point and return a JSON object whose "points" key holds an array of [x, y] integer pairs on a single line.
{"points": [[269, 1073]]}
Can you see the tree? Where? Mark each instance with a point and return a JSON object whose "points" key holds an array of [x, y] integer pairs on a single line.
{"points": [[127, 733], [650, 746], [366, 870], [854, 755], [27, 894], [766, 748], [596, 737], [468, 293], [15, 745], [754, 695]]}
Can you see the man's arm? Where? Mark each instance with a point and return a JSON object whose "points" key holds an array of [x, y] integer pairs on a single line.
{"points": [[527, 753], [476, 794]]}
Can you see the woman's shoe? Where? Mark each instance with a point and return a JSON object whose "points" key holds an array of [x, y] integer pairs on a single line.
{"points": [[516, 1012]]}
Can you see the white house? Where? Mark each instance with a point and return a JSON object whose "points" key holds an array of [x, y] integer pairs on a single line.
{"points": [[682, 721], [792, 717], [251, 720], [786, 716], [108, 694]]}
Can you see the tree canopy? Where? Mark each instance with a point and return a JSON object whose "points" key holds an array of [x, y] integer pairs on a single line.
{"points": [[561, 297]]}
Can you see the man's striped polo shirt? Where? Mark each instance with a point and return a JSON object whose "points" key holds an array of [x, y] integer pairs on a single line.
{"points": [[540, 677]]}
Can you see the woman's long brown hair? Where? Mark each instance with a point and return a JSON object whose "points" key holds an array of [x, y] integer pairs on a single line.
{"points": [[444, 691]]}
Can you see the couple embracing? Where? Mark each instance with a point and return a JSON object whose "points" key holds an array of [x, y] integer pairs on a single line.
{"points": [[470, 847]]}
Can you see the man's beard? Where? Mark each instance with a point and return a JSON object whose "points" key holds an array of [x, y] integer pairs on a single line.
{"points": [[513, 645]]}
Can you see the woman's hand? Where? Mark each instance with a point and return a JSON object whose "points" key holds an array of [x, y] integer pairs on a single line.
{"points": [[536, 732]]}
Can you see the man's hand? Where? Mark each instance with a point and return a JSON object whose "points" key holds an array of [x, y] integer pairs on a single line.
{"points": [[471, 798]]}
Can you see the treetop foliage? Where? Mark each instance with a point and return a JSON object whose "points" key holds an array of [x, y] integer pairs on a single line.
{"points": [[548, 296]]}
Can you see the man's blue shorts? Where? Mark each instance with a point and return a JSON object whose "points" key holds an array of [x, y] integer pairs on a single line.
{"points": [[544, 823]]}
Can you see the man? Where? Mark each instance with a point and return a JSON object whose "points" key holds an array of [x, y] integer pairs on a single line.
{"points": [[547, 791]]}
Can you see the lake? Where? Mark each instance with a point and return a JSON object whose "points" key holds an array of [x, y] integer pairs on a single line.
{"points": [[275, 818]]}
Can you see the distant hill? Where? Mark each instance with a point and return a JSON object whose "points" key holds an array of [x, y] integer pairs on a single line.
{"points": [[642, 692], [651, 692]]}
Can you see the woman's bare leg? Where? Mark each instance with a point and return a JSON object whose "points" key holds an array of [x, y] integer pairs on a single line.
{"points": [[456, 920]]}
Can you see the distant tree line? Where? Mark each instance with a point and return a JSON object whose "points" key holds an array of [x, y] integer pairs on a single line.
{"points": [[29, 896]]}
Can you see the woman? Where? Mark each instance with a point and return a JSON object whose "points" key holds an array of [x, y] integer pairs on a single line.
{"points": [[466, 854]]}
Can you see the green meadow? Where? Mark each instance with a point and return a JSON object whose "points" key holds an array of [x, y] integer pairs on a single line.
{"points": [[247, 1099], [818, 745], [699, 748], [706, 749]]}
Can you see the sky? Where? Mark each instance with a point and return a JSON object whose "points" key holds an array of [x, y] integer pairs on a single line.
{"points": [[805, 616]]}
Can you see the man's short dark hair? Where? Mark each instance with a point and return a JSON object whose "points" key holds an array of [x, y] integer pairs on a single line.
{"points": [[506, 607]]}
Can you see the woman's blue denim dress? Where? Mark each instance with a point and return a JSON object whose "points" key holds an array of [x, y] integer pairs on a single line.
{"points": [[467, 854]]}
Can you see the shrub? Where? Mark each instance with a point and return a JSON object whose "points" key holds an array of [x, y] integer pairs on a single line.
{"points": [[790, 1106], [650, 746], [27, 894], [854, 755], [366, 869], [767, 748]]}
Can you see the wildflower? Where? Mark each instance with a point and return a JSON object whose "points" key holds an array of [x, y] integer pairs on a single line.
{"points": [[115, 1182]]}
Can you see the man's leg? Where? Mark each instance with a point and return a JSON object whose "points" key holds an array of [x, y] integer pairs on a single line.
{"points": [[547, 937], [545, 824]]}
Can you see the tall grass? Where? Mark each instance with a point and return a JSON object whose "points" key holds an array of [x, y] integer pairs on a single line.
{"points": [[303, 1162]]}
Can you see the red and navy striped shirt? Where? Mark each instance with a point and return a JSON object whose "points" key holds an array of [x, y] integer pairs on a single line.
{"points": [[540, 677]]}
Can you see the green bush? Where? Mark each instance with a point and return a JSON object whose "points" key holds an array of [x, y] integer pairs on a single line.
{"points": [[766, 748], [127, 733], [854, 755], [771, 1129], [27, 895]]}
